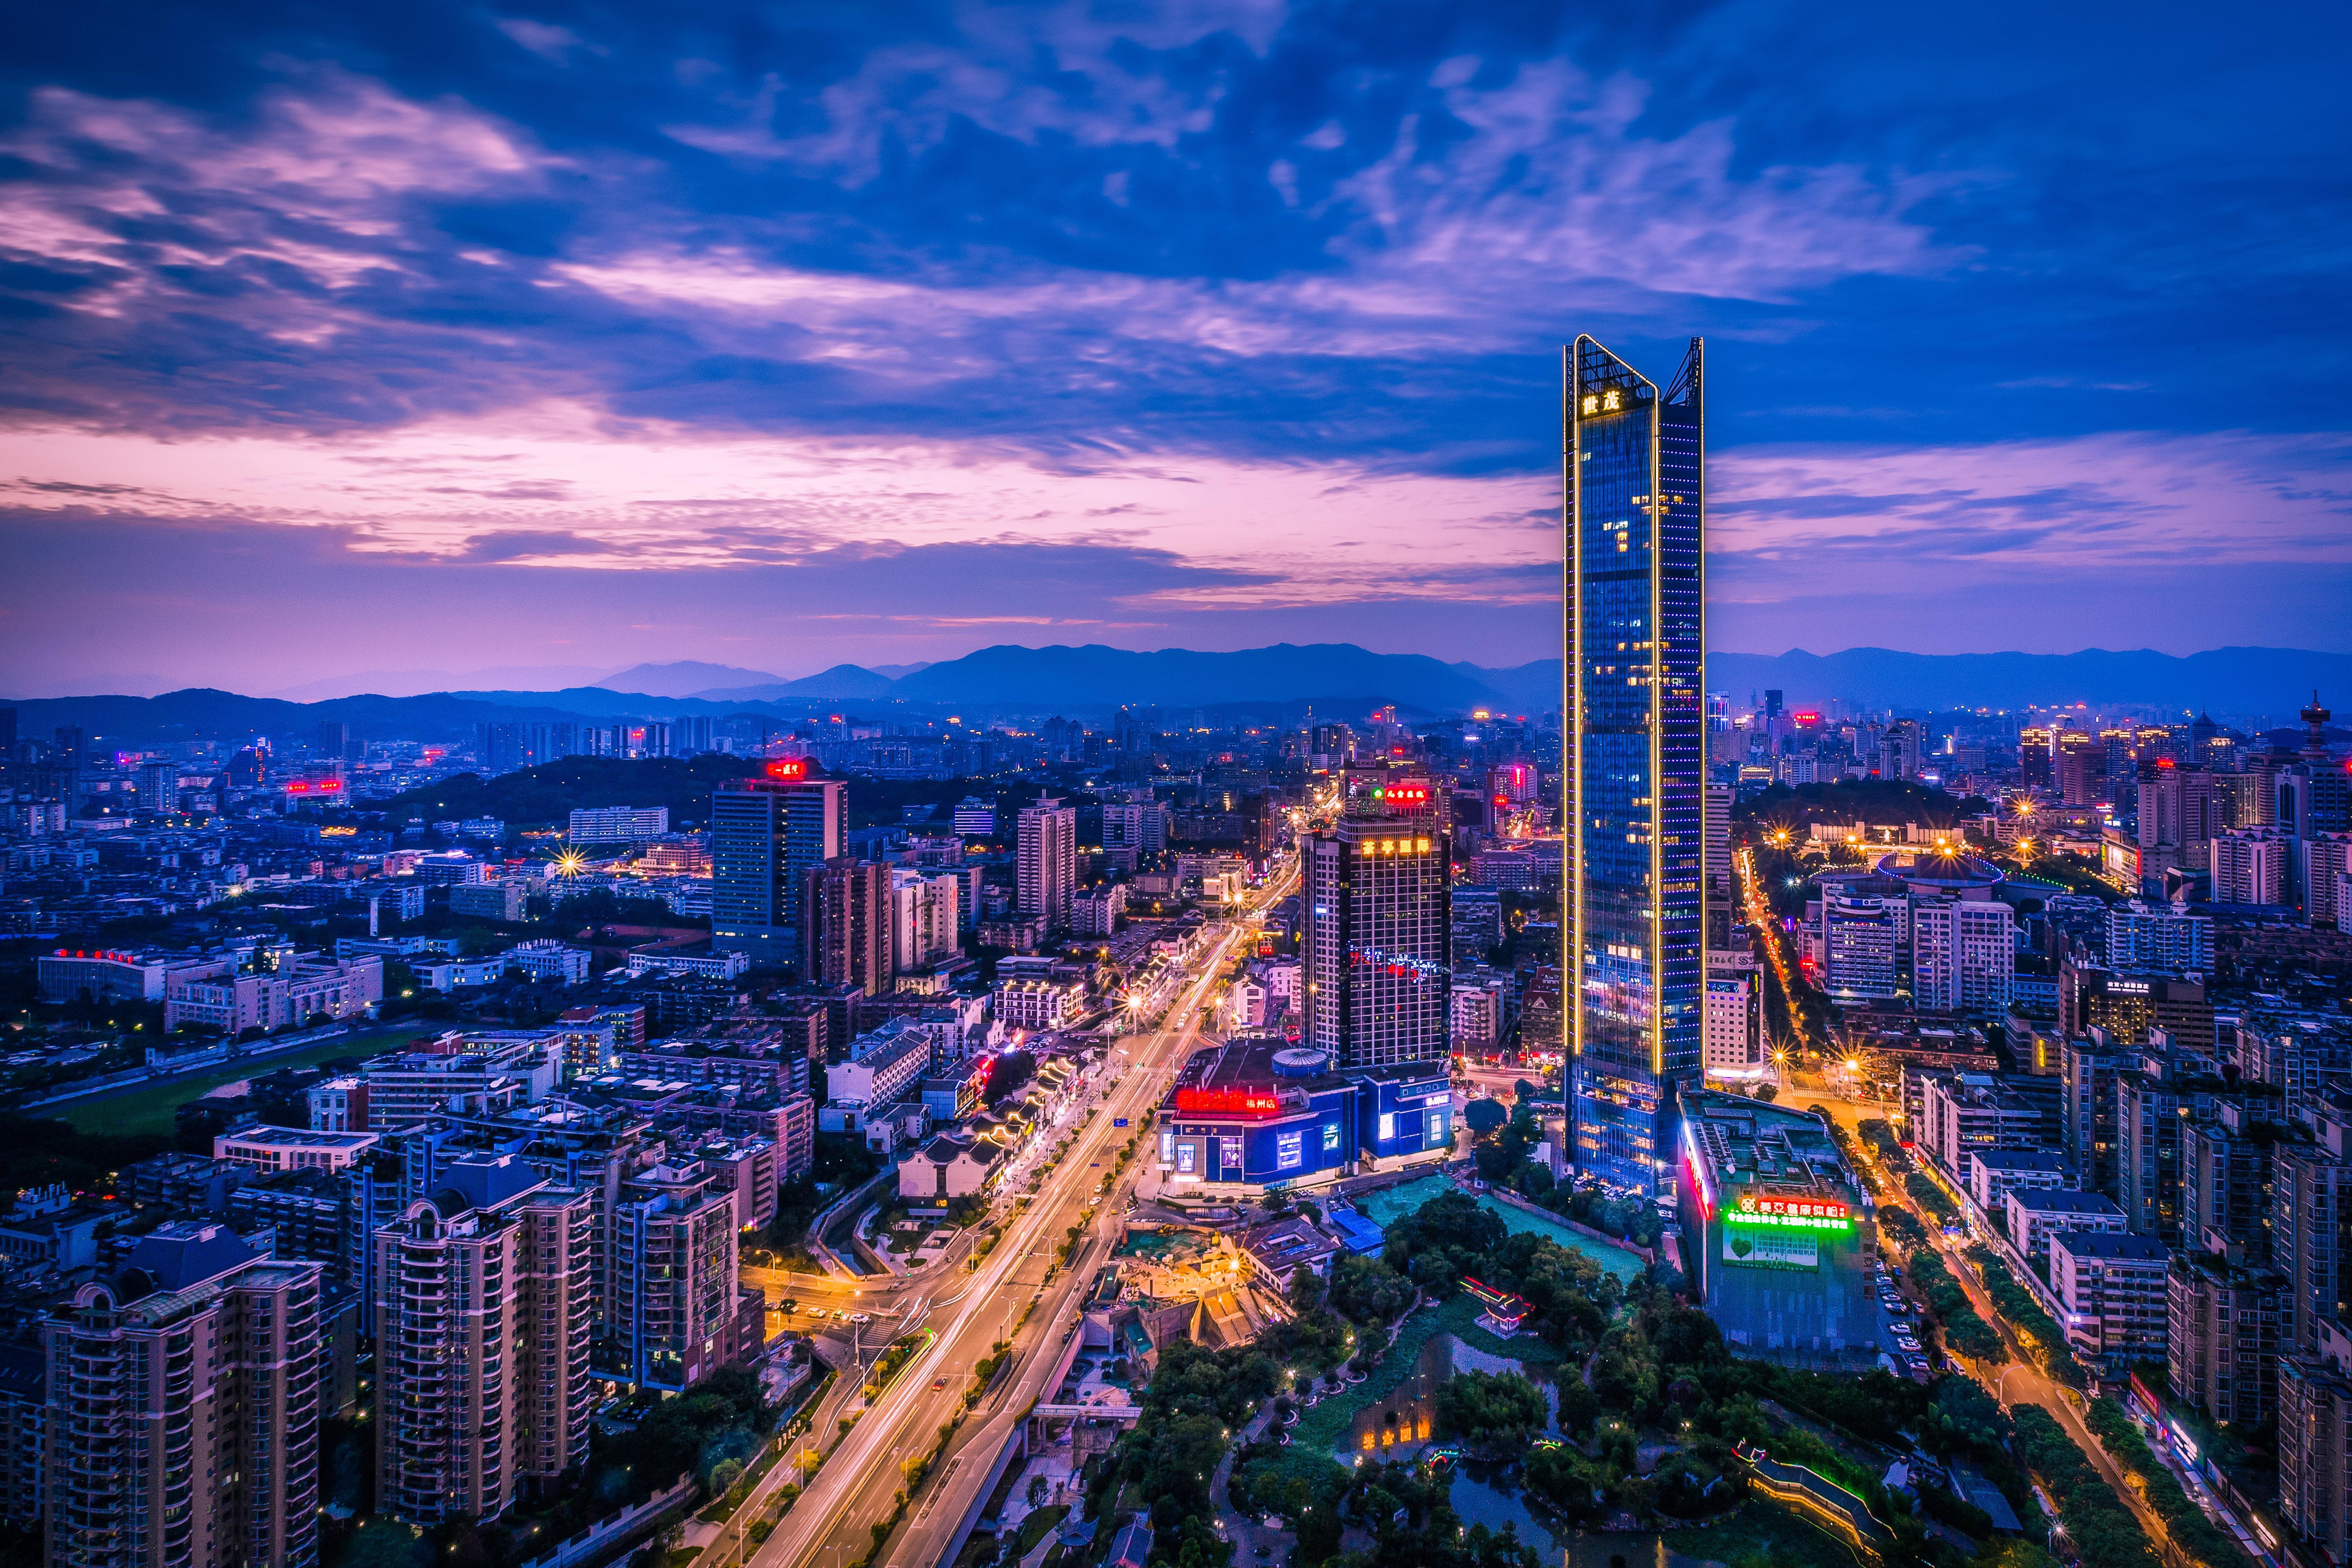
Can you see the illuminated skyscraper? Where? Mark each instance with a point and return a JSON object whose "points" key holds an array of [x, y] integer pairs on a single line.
{"points": [[1634, 558], [766, 834]]}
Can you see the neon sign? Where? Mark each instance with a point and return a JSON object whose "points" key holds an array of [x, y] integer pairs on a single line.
{"points": [[788, 768], [1408, 795], [1793, 1214], [1248, 1101], [314, 786]]}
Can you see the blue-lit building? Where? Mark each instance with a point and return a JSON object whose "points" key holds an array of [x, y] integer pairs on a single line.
{"points": [[1255, 1115], [1634, 549], [1779, 1236]]}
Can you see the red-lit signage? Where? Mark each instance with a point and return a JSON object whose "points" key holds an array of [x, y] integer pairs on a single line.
{"points": [[314, 786], [788, 768], [1807, 717], [1408, 795], [1502, 800], [1227, 1102]]}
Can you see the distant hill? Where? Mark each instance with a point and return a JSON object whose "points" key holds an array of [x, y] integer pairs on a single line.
{"points": [[1095, 677], [842, 680], [685, 678], [2248, 682], [2246, 686], [410, 682]]}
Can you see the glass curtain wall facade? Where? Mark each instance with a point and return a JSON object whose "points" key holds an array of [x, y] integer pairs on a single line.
{"points": [[1635, 600]]}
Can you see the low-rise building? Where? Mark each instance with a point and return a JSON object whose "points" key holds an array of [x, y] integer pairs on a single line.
{"points": [[265, 1148], [949, 1167], [2110, 1286], [1997, 1172], [1038, 1003], [2034, 1214], [545, 959]]}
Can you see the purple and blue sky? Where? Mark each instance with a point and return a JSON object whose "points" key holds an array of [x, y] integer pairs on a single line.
{"points": [[341, 338]]}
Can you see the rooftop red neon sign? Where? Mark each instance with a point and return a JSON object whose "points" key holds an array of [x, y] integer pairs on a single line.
{"points": [[1227, 1101], [314, 786], [788, 768]]}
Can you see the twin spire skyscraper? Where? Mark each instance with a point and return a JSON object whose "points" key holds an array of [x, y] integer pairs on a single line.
{"points": [[1633, 462]]}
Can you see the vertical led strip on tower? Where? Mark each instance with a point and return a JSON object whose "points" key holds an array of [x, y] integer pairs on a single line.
{"points": [[1633, 552]]}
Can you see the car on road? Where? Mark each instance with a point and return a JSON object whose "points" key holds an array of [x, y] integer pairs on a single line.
{"points": [[938, 1383]]}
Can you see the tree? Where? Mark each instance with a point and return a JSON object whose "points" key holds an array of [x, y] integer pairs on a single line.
{"points": [[1488, 1410]]}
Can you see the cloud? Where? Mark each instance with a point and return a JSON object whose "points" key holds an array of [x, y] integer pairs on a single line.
{"points": [[1267, 292]]}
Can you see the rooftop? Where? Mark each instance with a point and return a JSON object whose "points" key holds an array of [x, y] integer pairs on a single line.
{"points": [[2059, 1200], [2109, 1245]]}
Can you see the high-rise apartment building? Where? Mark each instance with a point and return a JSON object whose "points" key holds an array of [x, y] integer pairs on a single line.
{"points": [[2159, 940], [1634, 558], [924, 917], [2253, 866], [1046, 856], [184, 1405], [483, 1313], [2314, 1444], [672, 1305], [2311, 1185], [2221, 1338], [1379, 938], [766, 834], [846, 925]]}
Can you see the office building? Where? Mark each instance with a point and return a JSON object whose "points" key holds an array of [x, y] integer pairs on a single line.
{"points": [[1633, 545], [766, 834], [184, 1399], [2222, 1335], [1046, 862], [484, 1309], [1862, 938], [618, 824], [2110, 1288], [1963, 955], [1734, 1040], [1379, 941], [2126, 1006], [846, 925], [1778, 1237]]}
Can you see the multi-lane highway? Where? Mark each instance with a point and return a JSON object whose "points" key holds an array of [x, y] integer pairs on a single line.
{"points": [[966, 1313]]}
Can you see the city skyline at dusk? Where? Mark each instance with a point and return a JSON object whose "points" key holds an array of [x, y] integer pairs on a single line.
{"points": [[589, 338]]}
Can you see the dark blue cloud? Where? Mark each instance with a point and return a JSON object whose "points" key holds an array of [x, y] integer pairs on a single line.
{"points": [[1329, 232]]}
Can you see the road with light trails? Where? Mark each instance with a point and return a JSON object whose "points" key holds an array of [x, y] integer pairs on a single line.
{"points": [[858, 1486]]}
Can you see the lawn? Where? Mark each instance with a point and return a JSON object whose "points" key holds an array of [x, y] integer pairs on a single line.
{"points": [[150, 1108], [1763, 1535]]}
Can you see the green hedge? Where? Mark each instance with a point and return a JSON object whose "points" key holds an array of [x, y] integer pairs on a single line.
{"points": [[2104, 1530], [1929, 1197], [2025, 1314], [1964, 1330], [2197, 1537]]}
